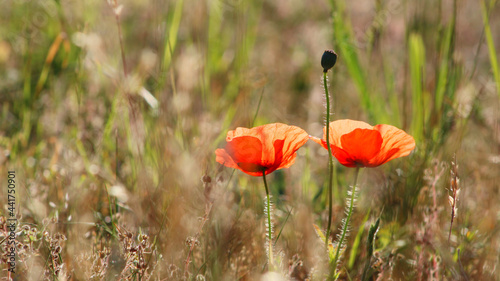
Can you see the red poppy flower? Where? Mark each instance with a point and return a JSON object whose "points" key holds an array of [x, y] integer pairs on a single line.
{"points": [[261, 149], [357, 144]]}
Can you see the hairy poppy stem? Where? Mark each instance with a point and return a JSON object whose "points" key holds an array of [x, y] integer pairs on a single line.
{"points": [[330, 161], [269, 225], [346, 224]]}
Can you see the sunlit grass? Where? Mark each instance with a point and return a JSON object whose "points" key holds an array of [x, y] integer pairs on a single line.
{"points": [[119, 169]]}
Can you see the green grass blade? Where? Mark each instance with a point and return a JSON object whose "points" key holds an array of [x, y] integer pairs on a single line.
{"points": [[357, 242], [321, 235], [283, 226], [417, 61], [348, 54], [390, 81], [491, 46], [350, 57], [369, 247], [171, 38], [442, 79]]}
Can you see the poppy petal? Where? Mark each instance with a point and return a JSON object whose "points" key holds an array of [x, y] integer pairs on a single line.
{"points": [[358, 144], [222, 157], [245, 149], [319, 141], [293, 138], [397, 143], [252, 168], [243, 153], [264, 148], [343, 157], [339, 128], [278, 157], [362, 145]]}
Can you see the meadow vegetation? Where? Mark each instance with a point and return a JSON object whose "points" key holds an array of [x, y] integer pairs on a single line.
{"points": [[111, 112]]}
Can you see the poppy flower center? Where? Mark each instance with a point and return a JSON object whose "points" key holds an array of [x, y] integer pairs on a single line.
{"points": [[251, 167]]}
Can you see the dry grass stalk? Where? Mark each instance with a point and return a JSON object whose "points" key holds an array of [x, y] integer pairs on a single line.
{"points": [[455, 190], [191, 242], [55, 262], [428, 261], [135, 254]]}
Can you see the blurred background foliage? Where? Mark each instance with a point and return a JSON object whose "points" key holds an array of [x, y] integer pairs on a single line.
{"points": [[111, 112]]}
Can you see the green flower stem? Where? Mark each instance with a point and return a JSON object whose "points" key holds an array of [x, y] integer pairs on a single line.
{"points": [[330, 162], [269, 225], [346, 224]]}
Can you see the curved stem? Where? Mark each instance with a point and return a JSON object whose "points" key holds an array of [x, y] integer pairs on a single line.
{"points": [[346, 224], [330, 162], [269, 225]]}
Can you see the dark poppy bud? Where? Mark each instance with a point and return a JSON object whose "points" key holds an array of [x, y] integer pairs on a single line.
{"points": [[328, 60]]}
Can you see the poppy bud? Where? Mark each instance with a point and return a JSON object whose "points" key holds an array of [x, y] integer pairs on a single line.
{"points": [[328, 60]]}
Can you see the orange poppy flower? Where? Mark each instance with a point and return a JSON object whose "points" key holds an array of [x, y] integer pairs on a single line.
{"points": [[262, 149], [357, 144]]}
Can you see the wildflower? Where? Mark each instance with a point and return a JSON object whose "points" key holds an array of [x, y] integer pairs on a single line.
{"points": [[261, 150], [358, 144]]}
